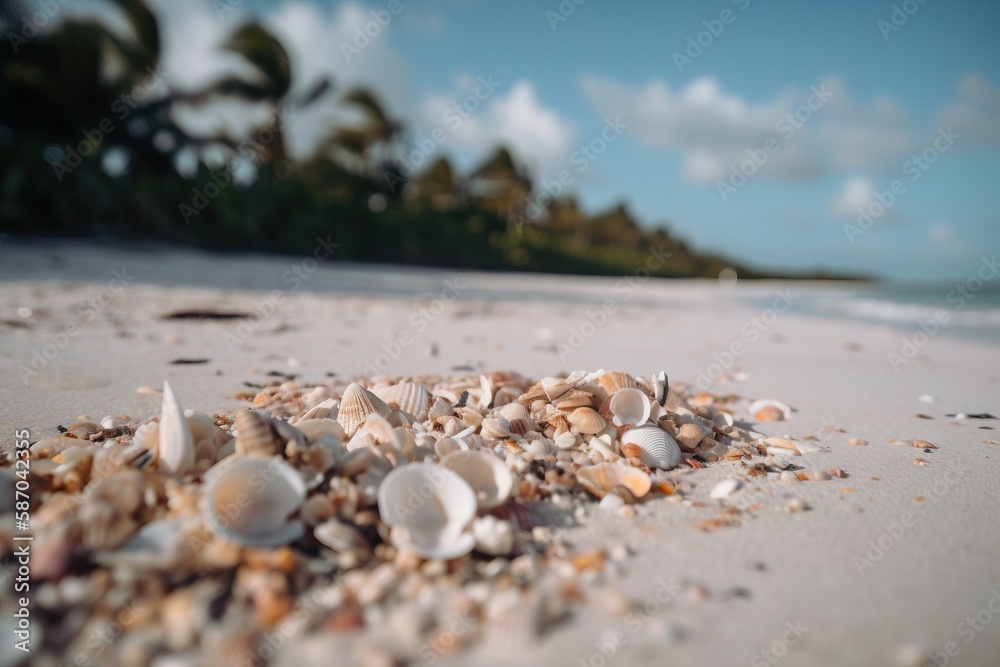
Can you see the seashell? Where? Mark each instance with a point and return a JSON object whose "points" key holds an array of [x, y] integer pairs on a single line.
{"points": [[265, 493], [83, 430], [513, 411], [555, 387], [630, 407], [255, 434], [487, 474], [322, 428], [788, 476], [49, 447], [661, 388], [567, 440], [785, 447], [157, 546], [429, 509], [723, 419], [689, 435], [586, 421], [408, 397], [105, 526], [540, 448], [513, 621], [521, 426], [725, 488], [316, 509], [659, 450], [355, 406], [124, 490], [604, 478], [506, 379], [376, 430], [208, 438], [343, 538], [446, 446], [493, 536], [613, 381], [574, 398], [326, 410], [486, 397], [506, 395], [494, 428], [769, 410], [813, 475], [440, 408], [175, 451]]}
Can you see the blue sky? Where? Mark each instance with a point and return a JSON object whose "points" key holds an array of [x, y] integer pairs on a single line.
{"points": [[688, 126]]}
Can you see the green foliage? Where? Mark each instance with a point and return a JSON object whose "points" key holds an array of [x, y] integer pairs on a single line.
{"points": [[69, 107]]}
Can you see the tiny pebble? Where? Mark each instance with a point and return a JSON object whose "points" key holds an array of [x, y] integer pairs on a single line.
{"points": [[796, 505], [725, 488], [927, 398], [626, 511], [24, 312], [611, 503], [857, 442]]}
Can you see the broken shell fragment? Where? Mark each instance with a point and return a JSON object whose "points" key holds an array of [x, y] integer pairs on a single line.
{"points": [[604, 478], [586, 421], [769, 410]]}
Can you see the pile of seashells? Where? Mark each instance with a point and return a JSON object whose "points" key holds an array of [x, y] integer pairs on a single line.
{"points": [[382, 510]]}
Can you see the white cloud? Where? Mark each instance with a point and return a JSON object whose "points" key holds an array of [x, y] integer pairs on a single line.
{"points": [[714, 130], [976, 114], [537, 134], [856, 193]]}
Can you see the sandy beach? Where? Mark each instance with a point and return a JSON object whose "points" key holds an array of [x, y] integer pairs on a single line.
{"points": [[895, 565]]}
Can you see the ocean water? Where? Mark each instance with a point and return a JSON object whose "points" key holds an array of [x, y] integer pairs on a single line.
{"points": [[966, 314]]}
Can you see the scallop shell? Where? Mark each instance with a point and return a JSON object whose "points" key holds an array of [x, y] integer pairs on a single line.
{"points": [[574, 398], [630, 407], [613, 381], [604, 478], [659, 450], [322, 429], [586, 421], [355, 406], [429, 509], [769, 410], [689, 435], [176, 445], [567, 440], [487, 474], [407, 396], [249, 501], [513, 411]]}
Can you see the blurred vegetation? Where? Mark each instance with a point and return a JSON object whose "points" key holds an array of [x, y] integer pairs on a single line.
{"points": [[90, 146]]}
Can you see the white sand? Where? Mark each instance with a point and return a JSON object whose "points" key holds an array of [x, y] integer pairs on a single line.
{"points": [[796, 568]]}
